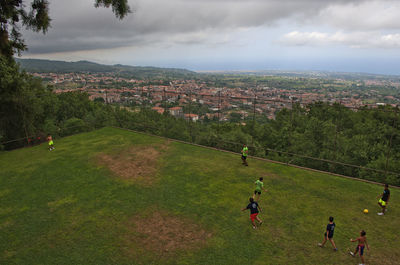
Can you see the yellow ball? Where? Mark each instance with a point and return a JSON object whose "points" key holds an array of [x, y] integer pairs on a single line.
{"points": [[365, 210]]}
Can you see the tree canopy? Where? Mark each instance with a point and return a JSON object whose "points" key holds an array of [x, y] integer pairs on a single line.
{"points": [[14, 15]]}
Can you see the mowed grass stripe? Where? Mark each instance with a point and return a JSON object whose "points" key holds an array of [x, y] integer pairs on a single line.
{"points": [[62, 207]]}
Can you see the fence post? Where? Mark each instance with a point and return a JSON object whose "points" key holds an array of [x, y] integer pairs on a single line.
{"points": [[390, 145], [337, 128], [290, 158], [254, 123], [190, 112], [219, 118], [165, 112]]}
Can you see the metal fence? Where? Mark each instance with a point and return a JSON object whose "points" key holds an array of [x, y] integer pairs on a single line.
{"points": [[220, 104]]}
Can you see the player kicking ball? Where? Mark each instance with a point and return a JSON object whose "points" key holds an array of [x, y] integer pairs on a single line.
{"points": [[254, 210], [362, 242]]}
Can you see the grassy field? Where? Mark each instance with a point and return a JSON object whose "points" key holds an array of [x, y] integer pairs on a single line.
{"points": [[116, 197]]}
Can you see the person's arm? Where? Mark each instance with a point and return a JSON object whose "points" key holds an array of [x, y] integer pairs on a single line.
{"points": [[380, 196], [259, 208], [327, 234], [387, 201], [244, 209], [353, 240], [366, 243]]}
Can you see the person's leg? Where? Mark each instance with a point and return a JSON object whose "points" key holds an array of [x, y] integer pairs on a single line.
{"points": [[252, 217], [258, 196], [254, 195], [332, 242], [258, 219], [362, 254], [380, 205], [323, 242]]}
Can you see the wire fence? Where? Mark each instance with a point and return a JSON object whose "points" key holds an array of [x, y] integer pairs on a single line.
{"points": [[217, 106], [41, 136], [254, 107]]}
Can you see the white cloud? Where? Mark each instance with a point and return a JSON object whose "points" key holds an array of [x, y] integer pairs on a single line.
{"points": [[353, 40]]}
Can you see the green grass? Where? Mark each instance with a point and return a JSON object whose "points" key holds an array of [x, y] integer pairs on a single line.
{"points": [[60, 207]]}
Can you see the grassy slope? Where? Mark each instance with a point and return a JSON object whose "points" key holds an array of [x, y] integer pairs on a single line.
{"points": [[60, 208]]}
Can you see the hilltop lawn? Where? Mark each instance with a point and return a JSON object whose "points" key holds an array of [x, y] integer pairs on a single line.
{"points": [[68, 206]]}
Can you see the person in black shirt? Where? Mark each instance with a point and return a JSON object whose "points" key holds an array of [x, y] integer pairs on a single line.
{"points": [[384, 199], [254, 207], [330, 228]]}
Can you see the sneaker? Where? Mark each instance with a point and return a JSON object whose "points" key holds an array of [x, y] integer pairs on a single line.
{"points": [[351, 253], [380, 213], [335, 249], [254, 227], [261, 223], [320, 245]]}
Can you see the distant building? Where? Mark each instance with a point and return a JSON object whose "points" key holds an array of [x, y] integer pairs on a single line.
{"points": [[191, 116], [176, 111], [158, 109]]}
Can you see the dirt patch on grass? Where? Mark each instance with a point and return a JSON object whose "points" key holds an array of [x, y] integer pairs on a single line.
{"points": [[134, 163], [163, 235]]}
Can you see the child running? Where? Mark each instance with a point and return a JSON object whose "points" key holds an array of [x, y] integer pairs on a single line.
{"points": [[259, 187], [51, 143], [245, 152], [330, 228], [384, 199], [254, 207], [362, 242]]}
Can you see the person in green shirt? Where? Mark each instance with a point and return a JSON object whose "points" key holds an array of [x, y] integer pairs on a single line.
{"points": [[245, 151], [259, 188]]}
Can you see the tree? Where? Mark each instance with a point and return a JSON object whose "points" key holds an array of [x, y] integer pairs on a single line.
{"points": [[14, 15]]}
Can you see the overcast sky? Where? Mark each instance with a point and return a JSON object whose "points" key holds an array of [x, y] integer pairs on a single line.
{"points": [[334, 35]]}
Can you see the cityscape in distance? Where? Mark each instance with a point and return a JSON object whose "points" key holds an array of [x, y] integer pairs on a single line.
{"points": [[226, 94]]}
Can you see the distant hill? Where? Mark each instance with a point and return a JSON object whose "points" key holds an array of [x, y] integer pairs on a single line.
{"points": [[47, 66]]}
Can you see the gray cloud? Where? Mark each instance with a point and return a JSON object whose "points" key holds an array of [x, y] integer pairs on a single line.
{"points": [[77, 25]]}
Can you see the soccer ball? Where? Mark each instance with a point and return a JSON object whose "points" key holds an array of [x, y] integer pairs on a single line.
{"points": [[365, 211]]}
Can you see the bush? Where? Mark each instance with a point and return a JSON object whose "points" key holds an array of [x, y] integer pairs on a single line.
{"points": [[73, 126]]}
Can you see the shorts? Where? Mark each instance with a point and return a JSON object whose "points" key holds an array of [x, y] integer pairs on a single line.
{"points": [[360, 250], [51, 143], [382, 202], [329, 236], [253, 216], [256, 191], [244, 157]]}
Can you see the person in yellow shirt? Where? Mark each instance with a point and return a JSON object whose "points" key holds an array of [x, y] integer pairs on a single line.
{"points": [[50, 141], [245, 152], [259, 187]]}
